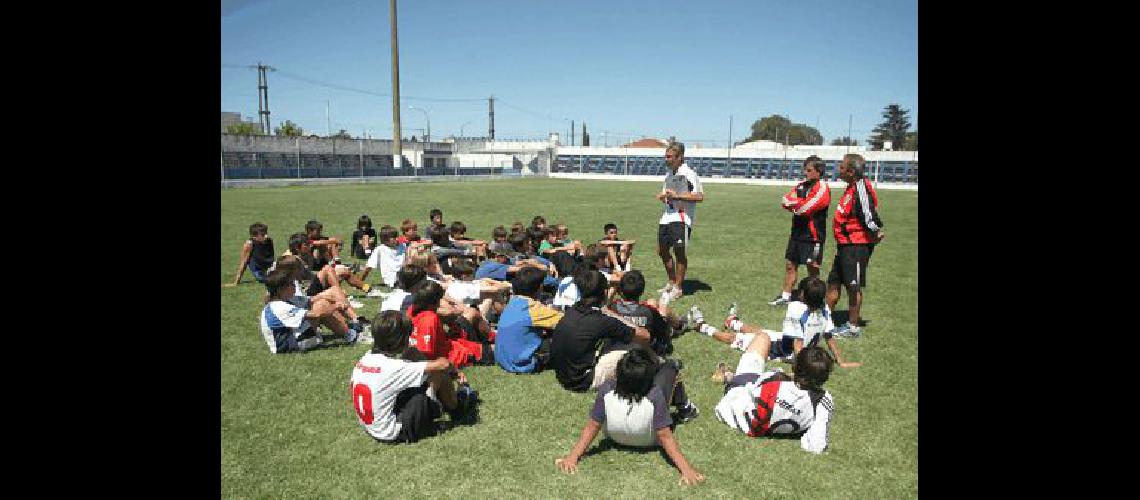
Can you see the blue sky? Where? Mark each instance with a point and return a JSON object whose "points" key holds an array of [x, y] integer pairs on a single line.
{"points": [[628, 69]]}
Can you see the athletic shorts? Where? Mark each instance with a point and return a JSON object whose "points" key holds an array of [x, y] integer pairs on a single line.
{"points": [[803, 252], [674, 234], [747, 370], [850, 265], [258, 273]]}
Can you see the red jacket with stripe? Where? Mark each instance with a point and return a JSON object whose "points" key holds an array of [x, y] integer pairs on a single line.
{"points": [[808, 203], [857, 215]]}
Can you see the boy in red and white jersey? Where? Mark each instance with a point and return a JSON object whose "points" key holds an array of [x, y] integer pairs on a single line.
{"points": [[396, 400], [769, 403]]}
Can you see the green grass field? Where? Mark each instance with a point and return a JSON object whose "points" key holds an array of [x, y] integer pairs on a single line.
{"points": [[289, 431]]}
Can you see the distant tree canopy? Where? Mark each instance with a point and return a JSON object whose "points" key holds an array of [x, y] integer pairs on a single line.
{"points": [[780, 129], [845, 141], [911, 143], [893, 128], [341, 134], [288, 129], [243, 128]]}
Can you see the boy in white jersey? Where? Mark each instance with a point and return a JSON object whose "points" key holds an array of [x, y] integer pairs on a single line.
{"points": [[680, 194], [289, 321], [397, 401], [769, 403], [807, 320]]}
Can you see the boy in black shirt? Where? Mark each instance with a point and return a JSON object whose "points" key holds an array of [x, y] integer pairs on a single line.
{"points": [[256, 254]]}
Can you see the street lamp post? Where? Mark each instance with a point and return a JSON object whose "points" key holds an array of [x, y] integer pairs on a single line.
{"points": [[461, 127], [428, 135]]}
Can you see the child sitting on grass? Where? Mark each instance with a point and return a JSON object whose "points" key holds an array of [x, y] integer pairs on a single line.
{"points": [[289, 321], [430, 337], [620, 252], [397, 400], [633, 411], [256, 254], [364, 238]]}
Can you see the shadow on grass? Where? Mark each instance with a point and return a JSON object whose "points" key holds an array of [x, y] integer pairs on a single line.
{"points": [[841, 317], [690, 287]]}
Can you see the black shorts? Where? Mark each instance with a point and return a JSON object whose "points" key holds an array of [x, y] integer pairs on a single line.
{"points": [[850, 265], [803, 252], [417, 413], [674, 234]]}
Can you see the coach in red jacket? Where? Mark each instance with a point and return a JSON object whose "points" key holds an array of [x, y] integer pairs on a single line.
{"points": [[808, 203], [857, 229]]}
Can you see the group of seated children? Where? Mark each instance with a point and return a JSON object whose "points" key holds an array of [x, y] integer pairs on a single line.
{"points": [[532, 299]]}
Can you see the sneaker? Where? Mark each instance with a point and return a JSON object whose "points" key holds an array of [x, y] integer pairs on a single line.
{"points": [[688, 413], [665, 299], [351, 336], [356, 304], [375, 292], [732, 310], [677, 293], [309, 343], [365, 338], [465, 397], [694, 317], [778, 301], [848, 331]]}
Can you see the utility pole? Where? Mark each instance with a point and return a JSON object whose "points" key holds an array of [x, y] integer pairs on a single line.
{"points": [[571, 132], [849, 133], [263, 96], [397, 152], [728, 162], [328, 118], [491, 116]]}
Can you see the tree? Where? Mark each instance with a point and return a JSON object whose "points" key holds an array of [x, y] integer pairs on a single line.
{"points": [[893, 128], [342, 134], [243, 128], [780, 129], [845, 141], [289, 129], [911, 143]]}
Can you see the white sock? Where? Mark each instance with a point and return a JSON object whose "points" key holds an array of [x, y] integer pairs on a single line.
{"points": [[707, 329], [786, 295]]}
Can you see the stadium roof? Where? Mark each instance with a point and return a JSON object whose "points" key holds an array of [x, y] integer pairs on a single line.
{"points": [[647, 143]]}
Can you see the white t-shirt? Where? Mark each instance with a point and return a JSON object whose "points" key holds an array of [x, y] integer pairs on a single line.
{"points": [[682, 182], [799, 323], [792, 411], [467, 292], [376, 380], [394, 300], [388, 260], [281, 323], [630, 424], [567, 293]]}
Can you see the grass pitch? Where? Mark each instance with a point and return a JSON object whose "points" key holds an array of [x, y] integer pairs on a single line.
{"points": [[289, 431]]}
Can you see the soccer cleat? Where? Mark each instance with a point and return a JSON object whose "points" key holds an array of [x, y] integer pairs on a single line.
{"points": [[665, 299], [465, 398], [365, 338], [694, 317], [778, 301], [668, 286], [677, 293], [848, 331], [309, 343], [688, 413]]}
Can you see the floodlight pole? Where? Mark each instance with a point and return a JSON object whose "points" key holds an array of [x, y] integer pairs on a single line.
{"points": [[397, 152]]}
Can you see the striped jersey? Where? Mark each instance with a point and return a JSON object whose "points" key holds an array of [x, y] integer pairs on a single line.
{"points": [[857, 214], [808, 203], [771, 406], [282, 322]]}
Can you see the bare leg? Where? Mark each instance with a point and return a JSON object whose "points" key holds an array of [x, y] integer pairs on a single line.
{"points": [[854, 303], [833, 292], [667, 260], [682, 265], [790, 275], [760, 345], [444, 389], [328, 316]]}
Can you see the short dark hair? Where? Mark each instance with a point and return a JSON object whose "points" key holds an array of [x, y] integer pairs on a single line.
{"points": [[458, 227], [296, 240], [499, 232], [812, 367], [277, 280], [527, 282], [517, 226], [387, 233], [607, 227], [390, 332], [364, 221], [439, 236], [407, 224], [518, 241], [812, 292], [426, 295], [816, 163], [632, 285], [592, 255], [634, 375], [313, 225], [591, 287], [463, 268], [536, 236], [258, 229], [549, 231], [409, 276], [434, 212], [538, 219]]}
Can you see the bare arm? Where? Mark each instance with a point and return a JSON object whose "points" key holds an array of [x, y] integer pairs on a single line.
{"points": [[834, 346], [640, 334], [438, 365], [246, 249], [569, 463], [689, 475]]}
